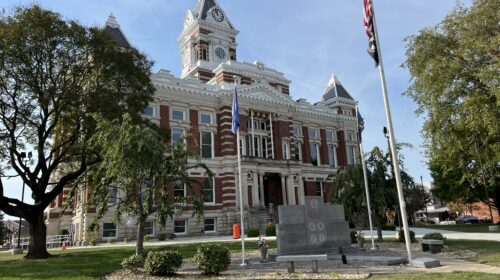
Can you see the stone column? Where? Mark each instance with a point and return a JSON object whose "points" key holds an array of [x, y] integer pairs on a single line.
{"points": [[284, 189], [255, 190], [261, 188], [301, 191], [291, 190]]}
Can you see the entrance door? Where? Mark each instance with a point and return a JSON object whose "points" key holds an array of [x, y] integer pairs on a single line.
{"points": [[272, 189]]}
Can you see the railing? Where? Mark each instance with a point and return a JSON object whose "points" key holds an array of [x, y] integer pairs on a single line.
{"points": [[53, 241]]}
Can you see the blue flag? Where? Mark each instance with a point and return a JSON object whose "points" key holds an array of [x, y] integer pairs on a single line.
{"points": [[361, 125], [235, 112]]}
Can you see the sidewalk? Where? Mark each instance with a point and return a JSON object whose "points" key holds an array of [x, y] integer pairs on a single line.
{"points": [[419, 232]]}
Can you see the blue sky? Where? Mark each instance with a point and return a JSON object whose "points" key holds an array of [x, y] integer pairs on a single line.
{"points": [[306, 40]]}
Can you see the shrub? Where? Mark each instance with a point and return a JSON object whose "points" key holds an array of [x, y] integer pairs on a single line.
{"points": [[354, 238], [162, 263], [125, 240], [171, 236], [111, 240], [401, 236], [92, 242], [434, 235], [253, 232], [64, 232], [271, 229], [162, 237], [212, 258], [146, 238], [133, 262]]}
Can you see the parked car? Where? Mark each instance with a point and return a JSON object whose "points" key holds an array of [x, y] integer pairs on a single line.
{"points": [[467, 219]]}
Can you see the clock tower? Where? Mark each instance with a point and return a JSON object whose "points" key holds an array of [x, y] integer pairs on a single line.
{"points": [[207, 40]]}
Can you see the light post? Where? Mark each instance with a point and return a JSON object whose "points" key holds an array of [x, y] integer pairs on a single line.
{"points": [[26, 159]]}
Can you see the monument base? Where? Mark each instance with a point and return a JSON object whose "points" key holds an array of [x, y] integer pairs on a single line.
{"points": [[425, 263]]}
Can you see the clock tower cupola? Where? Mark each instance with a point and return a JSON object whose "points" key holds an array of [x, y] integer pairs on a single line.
{"points": [[207, 40]]}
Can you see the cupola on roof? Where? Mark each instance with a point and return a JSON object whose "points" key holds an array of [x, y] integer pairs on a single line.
{"points": [[113, 29], [335, 89]]}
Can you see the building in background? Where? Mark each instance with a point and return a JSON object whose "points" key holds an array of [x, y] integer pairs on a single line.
{"points": [[290, 148]]}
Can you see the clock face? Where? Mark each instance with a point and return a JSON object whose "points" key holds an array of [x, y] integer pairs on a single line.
{"points": [[220, 52], [218, 15]]}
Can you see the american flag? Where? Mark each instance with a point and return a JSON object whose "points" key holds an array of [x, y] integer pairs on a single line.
{"points": [[370, 31]]}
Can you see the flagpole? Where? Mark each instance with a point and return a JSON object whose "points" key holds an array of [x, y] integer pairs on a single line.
{"points": [[243, 263], [394, 154], [365, 177]]}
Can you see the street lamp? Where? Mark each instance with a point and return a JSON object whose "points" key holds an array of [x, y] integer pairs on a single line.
{"points": [[26, 159]]}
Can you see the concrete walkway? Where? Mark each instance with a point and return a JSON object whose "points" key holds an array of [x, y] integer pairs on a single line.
{"points": [[419, 232]]}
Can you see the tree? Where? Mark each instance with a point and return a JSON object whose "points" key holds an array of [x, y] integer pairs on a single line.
{"points": [[2, 229], [53, 76], [454, 68], [136, 168], [349, 188]]}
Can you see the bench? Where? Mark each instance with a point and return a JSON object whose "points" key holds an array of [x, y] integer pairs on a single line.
{"points": [[302, 258], [432, 245]]}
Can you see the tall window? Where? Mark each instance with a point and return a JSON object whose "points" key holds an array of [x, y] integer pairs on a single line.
{"points": [[178, 115], [298, 151], [296, 131], [350, 155], [206, 144], [350, 136], [256, 144], [264, 147], [331, 155], [179, 189], [314, 154], [205, 118], [177, 132], [318, 188], [286, 150], [108, 230], [209, 190], [313, 132], [330, 135], [113, 195], [243, 150]]}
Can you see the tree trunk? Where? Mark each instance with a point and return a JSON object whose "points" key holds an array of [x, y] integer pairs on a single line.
{"points": [[139, 246], [380, 221], [38, 237]]}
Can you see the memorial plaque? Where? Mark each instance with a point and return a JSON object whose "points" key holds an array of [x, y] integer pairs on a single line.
{"points": [[311, 228]]}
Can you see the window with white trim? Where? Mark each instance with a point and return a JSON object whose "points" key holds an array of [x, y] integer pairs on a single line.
{"points": [[296, 131], [209, 190], [206, 142], [314, 154], [243, 150], [180, 227], [177, 133], [209, 225], [330, 135], [318, 187], [206, 118], [178, 115], [108, 230], [113, 195], [179, 189], [149, 228], [148, 111], [298, 151], [350, 155], [286, 150], [313, 132], [350, 135], [331, 156]]}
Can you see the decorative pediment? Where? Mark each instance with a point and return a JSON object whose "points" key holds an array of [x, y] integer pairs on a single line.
{"points": [[265, 92]]}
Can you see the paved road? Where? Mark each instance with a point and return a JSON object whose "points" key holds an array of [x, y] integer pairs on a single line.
{"points": [[419, 232]]}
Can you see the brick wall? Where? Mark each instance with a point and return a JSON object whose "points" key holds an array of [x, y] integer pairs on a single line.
{"points": [[341, 149], [323, 150], [306, 148]]}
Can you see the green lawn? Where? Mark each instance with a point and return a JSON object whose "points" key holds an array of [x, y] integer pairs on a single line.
{"points": [[461, 228], [438, 276], [92, 263], [489, 251]]}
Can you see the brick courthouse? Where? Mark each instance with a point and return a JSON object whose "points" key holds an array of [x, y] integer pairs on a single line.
{"points": [[290, 148]]}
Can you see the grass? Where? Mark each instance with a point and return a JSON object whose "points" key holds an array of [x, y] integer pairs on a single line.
{"points": [[92, 263], [462, 228], [489, 251], [439, 276]]}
